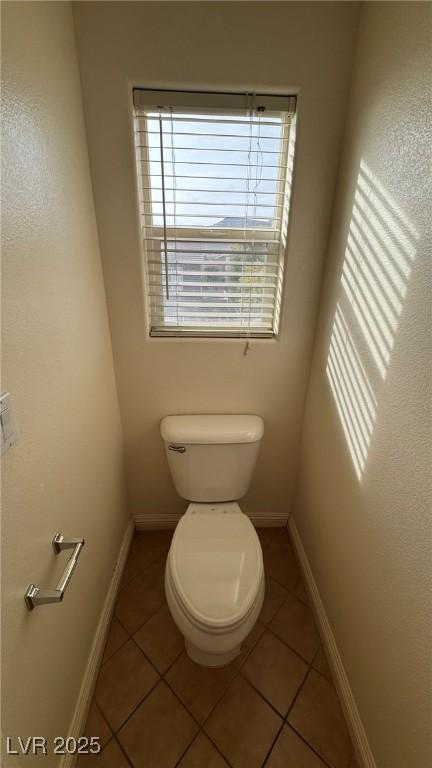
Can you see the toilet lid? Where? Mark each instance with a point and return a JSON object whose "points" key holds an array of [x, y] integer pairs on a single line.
{"points": [[216, 566]]}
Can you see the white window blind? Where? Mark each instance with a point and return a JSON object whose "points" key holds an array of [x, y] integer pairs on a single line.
{"points": [[214, 178]]}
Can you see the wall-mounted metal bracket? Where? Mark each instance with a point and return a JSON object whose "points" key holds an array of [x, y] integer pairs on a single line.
{"points": [[34, 595]]}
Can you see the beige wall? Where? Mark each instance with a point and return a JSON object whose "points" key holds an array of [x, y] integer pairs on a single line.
{"points": [[65, 473], [363, 497], [304, 47]]}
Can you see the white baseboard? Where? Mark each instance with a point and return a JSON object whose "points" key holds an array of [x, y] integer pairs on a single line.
{"points": [[149, 522], [90, 674], [352, 715], [146, 521]]}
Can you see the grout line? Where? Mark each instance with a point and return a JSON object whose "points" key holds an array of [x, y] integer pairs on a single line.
{"points": [[201, 730], [297, 695], [123, 586], [131, 634], [144, 697], [187, 748], [168, 669], [273, 744], [318, 650], [248, 682], [291, 589], [122, 625], [194, 717], [145, 656], [289, 724], [303, 600], [137, 707], [104, 661], [158, 555], [264, 698], [189, 711], [324, 762], [104, 746], [152, 615], [124, 752], [142, 570], [269, 703], [237, 673], [216, 747], [318, 671], [281, 583], [299, 656], [222, 694], [200, 726], [235, 676], [167, 683], [210, 738], [240, 673], [162, 678], [94, 702], [189, 744]]}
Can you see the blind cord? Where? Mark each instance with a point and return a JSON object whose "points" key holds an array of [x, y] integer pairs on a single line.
{"points": [[174, 177], [164, 205]]}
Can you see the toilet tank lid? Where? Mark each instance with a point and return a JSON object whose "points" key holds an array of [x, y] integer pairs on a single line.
{"points": [[212, 429]]}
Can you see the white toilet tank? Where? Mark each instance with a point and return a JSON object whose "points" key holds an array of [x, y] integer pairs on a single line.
{"points": [[212, 458]]}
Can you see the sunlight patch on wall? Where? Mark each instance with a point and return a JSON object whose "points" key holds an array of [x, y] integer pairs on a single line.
{"points": [[380, 249], [353, 394]]}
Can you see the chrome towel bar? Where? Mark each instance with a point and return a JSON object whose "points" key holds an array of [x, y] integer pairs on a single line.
{"points": [[34, 595]]}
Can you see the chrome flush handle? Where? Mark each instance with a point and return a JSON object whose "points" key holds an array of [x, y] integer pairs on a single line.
{"points": [[178, 448]]}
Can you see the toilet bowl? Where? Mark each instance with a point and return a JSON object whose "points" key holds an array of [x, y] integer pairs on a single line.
{"points": [[214, 581], [214, 576]]}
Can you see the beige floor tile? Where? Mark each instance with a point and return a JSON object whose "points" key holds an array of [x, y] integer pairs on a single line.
{"points": [[159, 731], [96, 725], [274, 596], [269, 534], [202, 754], [275, 671], [110, 757], [291, 752], [137, 601], [249, 643], [239, 721], [295, 625], [243, 726], [317, 716], [160, 639], [123, 682], [129, 572], [279, 560], [155, 573], [301, 592], [117, 635], [199, 688], [147, 546], [321, 664]]}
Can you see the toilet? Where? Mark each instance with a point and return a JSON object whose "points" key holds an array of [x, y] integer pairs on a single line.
{"points": [[214, 576]]}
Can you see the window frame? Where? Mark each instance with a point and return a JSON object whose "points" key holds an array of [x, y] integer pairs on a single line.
{"points": [[214, 235]]}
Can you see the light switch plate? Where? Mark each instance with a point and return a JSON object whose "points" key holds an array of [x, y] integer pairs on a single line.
{"points": [[8, 433]]}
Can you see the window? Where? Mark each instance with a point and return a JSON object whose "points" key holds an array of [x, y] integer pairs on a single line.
{"points": [[214, 178]]}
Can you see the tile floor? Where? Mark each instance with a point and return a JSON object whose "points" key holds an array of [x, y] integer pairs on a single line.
{"points": [[274, 705]]}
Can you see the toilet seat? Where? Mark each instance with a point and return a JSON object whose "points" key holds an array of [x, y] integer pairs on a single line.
{"points": [[192, 619], [215, 566]]}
